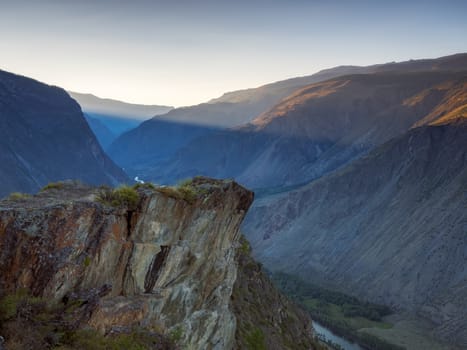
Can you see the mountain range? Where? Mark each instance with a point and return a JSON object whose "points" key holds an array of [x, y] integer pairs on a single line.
{"points": [[110, 118], [157, 140], [360, 173], [293, 138], [316, 130]]}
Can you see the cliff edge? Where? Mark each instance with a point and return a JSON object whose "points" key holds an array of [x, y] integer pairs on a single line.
{"points": [[162, 259]]}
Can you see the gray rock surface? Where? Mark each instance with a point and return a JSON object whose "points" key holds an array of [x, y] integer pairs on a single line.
{"points": [[169, 264]]}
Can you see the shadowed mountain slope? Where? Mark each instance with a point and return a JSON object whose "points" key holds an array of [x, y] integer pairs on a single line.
{"points": [[44, 137], [390, 227], [319, 128], [139, 150], [155, 140], [102, 132], [116, 116]]}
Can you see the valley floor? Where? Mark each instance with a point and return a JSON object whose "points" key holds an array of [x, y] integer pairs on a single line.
{"points": [[350, 321], [408, 331]]}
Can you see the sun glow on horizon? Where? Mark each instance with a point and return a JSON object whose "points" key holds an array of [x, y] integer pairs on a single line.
{"points": [[150, 52]]}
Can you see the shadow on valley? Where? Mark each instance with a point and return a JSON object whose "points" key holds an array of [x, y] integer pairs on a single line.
{"points": [[312, 132], [265, 161]]}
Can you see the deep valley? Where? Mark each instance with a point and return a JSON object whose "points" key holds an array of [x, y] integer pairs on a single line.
{"points": [[336, 199]]}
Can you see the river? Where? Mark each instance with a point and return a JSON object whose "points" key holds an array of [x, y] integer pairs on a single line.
{"points": [[329, 335]]}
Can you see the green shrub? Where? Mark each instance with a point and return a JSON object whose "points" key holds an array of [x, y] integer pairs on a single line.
{"points": [[90, 339], [53, 186], [12, 304], [185, 183], [146, 185], [187, 191], [188, 194], [245, 247], [32, 323], [87, 261], [169, 191], [8, 305], [124, 196], [184, 190], [255, 340], [18, 196], [176, 335]]}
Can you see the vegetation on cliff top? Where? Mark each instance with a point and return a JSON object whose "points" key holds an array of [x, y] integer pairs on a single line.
{"points": [[28, 322], [53, 186], [123, 196], [185, 190], [16, 196]]}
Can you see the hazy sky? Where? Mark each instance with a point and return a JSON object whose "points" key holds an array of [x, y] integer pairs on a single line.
{"points": [[187, 52]]}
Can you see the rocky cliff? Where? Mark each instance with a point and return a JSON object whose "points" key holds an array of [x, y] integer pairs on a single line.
{"points": [[44, 137], [165, 262], [265, 317]]}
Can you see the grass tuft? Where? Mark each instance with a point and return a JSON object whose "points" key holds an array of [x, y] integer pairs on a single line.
{"points": [[16, 196], [121, 197], [53, 186]]}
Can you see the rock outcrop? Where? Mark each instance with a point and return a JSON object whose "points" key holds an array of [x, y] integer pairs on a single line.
{"points": [[44, 138], [168, 263]]}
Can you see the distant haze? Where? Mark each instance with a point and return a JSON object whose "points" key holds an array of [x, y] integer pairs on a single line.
{"points": [[93, 104], [187, 52]]}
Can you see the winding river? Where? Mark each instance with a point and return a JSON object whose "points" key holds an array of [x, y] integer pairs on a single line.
{"points": [[329, 335]]}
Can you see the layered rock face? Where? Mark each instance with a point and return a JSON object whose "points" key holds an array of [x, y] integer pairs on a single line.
{"points": [[168, 264], [44, 137]]}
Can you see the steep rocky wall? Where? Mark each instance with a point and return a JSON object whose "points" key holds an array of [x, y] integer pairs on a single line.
{"points": [[167, 265], [265, 317], [390, 228]]}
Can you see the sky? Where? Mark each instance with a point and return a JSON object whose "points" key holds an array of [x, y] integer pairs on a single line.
{"points": [[187, 52]]}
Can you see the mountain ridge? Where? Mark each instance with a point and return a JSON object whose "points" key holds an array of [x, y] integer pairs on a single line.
{"points": [[388, 227], [100, 105], [318, 128], [45, 138]]}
